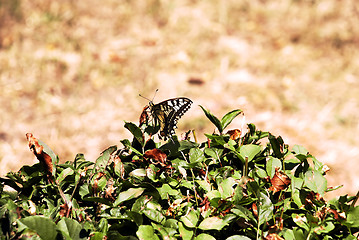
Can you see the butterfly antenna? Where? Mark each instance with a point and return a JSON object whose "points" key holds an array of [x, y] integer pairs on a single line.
{"points": [[144, 97], [148, 98], [154, 94]]}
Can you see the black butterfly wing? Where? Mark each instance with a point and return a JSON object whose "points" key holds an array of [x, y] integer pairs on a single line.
{"points": [[167, 114], [182, 105]]}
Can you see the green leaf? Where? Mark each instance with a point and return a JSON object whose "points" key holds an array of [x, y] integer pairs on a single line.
{"points": [[261, 173], [265, 209], [315, 181], [295, 234], [171, 223], [66, 172], [228, 118], [277, 144], [190, 219], [213, 119], [212, 223], [214, 153], [172, 146], [128, 194], [127, 144], [120, 169], [353, 217], [291, 163], [230, 218], [70, 228], [301, 221], [185, 233], [79, 158], [325, 227], [102, 160], [238, 194], [296, 185], [139, 204], [226, 187], [272, 164], [249, 151], [317, 165], [43, 226], [166, 190], [204, 236], [196, 155], [138, 173], [300, 150], [146, 232], [238, 237], [166, 233], [213, 194], [205, 185], [187, 145], [84, 190], [154, 215], [219, 140], [135, 217], [136, 132], [253, 187], [97, 236]]}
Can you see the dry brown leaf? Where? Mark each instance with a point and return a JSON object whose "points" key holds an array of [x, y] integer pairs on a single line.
{"points": [[65, 210], [280, 181], [38, 150], [95, 182], [156, 155], [273, 236], [110, 190], [255, 209], [205, 204], [234, 134]]}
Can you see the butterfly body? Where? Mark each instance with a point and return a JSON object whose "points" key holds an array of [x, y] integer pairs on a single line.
{"points": [[166, 114]]}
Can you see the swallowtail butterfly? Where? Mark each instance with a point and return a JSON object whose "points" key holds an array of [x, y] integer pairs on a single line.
{"points": [[165, 114]]}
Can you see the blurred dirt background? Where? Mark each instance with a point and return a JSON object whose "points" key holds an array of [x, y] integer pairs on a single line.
{"points": [[71, 72]]}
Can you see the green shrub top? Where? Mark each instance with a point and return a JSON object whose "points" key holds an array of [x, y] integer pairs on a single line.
{"points": [[242, 184]]}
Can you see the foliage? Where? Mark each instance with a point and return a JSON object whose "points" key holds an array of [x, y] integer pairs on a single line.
{"points": [[236, 185]]}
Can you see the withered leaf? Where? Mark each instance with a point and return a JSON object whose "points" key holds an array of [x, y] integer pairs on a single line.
{"points": [[234, 134], [278, 226], [95, 182], [65, 210], [255, 209], [280, 181], [205, 204], [273, 236], [38, 150], [110, 190], [156, 155], [337, 216]]}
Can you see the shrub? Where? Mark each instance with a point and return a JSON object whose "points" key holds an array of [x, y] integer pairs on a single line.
{"points": [[237, 185]]}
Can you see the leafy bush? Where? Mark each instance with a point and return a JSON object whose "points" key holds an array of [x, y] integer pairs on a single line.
{"points": [[238, 185]]}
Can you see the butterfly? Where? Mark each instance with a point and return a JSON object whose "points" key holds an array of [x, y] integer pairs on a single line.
{"points": [[166, 114]]}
